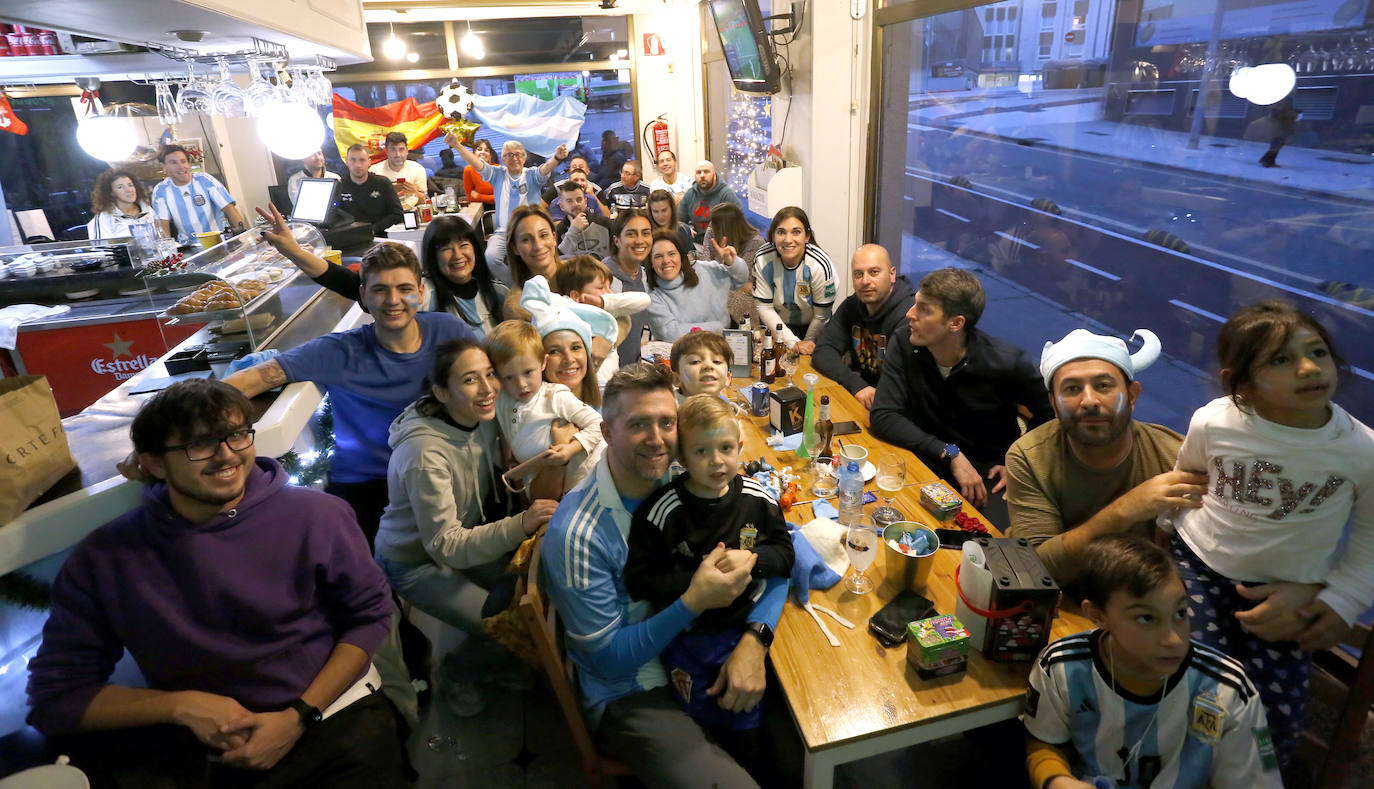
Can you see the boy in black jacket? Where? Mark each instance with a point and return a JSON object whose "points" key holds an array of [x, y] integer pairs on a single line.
{"points": [[681, 523], [851, 348]]}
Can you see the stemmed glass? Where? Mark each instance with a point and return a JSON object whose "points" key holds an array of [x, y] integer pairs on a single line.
{"points": [[194, 96], [260, 94], [321, 87], [861, 544], [891, 477], [228, 98], [167, 113], [789, 361]]}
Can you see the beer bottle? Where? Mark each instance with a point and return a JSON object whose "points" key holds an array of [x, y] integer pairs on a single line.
{"points": [[825, 430], [766, 366]]}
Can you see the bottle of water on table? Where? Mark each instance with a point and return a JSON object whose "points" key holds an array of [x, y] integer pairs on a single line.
{"points": [[851, 495]]}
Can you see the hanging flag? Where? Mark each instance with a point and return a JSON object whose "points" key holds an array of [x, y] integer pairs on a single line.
{"points": [[354, 123], [540, 125], [8, 120]]}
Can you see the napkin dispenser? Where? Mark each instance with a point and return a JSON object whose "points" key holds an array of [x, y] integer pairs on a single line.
{"points": [[1006, 598]]}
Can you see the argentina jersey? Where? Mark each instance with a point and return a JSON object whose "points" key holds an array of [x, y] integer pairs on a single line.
{"points": [[794, 293], [193, 208], [511, 191], [1205, 727]]}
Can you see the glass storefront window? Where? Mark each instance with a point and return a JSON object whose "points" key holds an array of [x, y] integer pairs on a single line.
{"points": [[607, 135], [1108, 173]]}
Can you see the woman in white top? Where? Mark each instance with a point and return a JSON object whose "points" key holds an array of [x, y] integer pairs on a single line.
{"points": [[118, 200]]}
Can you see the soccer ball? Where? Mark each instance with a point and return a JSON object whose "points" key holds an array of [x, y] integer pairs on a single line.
{"points": [[455, 100]]}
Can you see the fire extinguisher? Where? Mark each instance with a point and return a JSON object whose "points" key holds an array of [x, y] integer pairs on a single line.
{"points": [[656, 135]]}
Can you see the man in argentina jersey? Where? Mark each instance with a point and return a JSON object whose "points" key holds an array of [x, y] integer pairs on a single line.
{"points": [[612, 641], [1135, 702], [187, 203]]}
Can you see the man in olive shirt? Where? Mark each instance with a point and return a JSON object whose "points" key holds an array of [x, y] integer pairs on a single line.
{"points": [[1093, 470]]}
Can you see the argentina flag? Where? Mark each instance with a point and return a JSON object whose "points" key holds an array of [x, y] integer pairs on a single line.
{"points": [[540, 125]]}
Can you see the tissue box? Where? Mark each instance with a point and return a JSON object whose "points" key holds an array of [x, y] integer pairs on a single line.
{"points": [[787, 410], [941, 500], [937, 647]]}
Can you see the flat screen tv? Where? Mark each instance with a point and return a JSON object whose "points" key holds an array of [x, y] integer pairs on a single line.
{"points": [[748, 50]]}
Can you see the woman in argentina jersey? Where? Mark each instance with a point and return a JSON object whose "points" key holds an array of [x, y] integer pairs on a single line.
{"points": [[794, 281]]}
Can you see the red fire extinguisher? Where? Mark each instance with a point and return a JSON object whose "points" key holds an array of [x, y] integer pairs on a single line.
{"points": [[656, 135]]}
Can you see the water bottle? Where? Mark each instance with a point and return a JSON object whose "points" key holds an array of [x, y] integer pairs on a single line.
{"points": [[851, 493]]}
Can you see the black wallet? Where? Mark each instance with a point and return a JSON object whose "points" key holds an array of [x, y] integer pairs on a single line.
{"points": [[889, 624]]}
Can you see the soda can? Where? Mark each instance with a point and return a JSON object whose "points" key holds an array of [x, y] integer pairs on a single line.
{"points": [[758, 399]]}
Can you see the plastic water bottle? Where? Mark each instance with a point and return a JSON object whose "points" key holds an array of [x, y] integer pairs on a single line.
{"points": [[851, 493]]}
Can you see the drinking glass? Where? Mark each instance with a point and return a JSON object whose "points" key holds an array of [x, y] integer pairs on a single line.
{"points": [[228, 99], [167, 113], [891, 477], [825, 485], [861, 544], [789, 362], [321, 88], [194, 96], [300, 88], [260, 94]]}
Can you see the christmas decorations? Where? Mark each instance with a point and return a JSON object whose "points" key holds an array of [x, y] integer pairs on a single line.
{"points": [[748, 138]]}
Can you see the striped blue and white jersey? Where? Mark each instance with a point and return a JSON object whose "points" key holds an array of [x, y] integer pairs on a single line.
{"points": [[1208, 729], [511, 191], [194, 208], [794, 293]]}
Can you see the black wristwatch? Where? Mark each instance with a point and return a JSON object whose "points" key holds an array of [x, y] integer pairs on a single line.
{"points": [[763, 631], [310, 716]]}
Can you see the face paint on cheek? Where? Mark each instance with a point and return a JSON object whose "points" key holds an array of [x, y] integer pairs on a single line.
{"points": [[1064, 408], [413, 300]]}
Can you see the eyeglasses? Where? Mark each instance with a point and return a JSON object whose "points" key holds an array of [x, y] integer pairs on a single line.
{"points": [[206, 448]]}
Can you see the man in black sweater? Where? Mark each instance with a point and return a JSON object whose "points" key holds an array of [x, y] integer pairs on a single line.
{"points": [[951, 394], [367, 196], [853, 344]]}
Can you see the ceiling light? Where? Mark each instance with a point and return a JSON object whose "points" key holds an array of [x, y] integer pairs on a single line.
{"points": [[472, 45], [291, 130], [1265, 84], [394, 48], [107, 138], [413, 57], [620, 53]]}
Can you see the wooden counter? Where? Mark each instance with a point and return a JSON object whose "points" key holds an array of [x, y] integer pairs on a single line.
{"points": [[862, 699]]}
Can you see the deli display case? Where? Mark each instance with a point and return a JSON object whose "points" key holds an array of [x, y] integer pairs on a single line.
{"points": [[232, 297]]}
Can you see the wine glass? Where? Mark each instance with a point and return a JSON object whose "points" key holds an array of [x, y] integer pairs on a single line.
{"points": [[260, 94], [228, 98], [167, 113], [861, 544], [321, 88], [789, 361], [194, 96], [891, 477]]}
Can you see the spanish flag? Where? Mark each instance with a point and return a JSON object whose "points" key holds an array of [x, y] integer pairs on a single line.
{"points": [[354, 123]]}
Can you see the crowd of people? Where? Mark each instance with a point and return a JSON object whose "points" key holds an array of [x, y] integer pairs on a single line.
{"points": [[499, 393]]}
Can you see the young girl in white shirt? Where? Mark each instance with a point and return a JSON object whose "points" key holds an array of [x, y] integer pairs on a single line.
{"points": [[1267, 573]]}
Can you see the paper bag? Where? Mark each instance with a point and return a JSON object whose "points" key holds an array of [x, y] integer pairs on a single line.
{"points": [[33, 446]]}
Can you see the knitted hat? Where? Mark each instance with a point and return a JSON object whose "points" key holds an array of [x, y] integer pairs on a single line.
{"points": [[553, 312], [1083, 344]]}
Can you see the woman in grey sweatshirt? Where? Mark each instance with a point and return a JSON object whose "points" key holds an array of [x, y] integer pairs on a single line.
{"points": [[684, 296], [438, 544]]}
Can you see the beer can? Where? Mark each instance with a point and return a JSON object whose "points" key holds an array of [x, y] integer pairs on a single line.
{"points": [[758, 399]]}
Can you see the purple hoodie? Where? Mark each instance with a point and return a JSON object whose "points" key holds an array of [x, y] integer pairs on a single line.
{"points": [[247, 605]]}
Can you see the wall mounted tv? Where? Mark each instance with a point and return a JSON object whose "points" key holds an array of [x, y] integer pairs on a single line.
{"points": [[748, 50]]}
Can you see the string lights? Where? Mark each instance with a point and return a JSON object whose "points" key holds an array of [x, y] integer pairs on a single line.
{"points": [[747, 138]]}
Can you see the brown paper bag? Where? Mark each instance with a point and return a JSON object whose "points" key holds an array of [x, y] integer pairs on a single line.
{"points": [[33, 447]]}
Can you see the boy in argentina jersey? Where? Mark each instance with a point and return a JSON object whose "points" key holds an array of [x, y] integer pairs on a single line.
{"points": [[681, 523], [1135, 702]]}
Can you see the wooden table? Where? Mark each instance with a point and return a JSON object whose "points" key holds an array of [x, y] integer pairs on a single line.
{"points": [[860, 699]]}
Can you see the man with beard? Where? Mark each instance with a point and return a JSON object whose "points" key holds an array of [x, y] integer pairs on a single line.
{"points": [[251, 607], [1094, 470], [706, 191], [613, 640]]}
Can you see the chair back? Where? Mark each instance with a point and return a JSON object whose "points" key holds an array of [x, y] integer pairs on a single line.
{"points": [[541, 618], [1354, 668]]}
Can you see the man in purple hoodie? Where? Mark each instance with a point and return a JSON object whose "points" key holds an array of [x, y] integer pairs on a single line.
{"points": [[252, 609]]}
